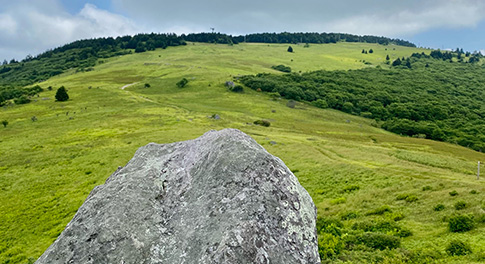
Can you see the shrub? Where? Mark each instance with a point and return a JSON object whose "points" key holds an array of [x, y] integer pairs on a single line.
{"points": [[403, 232], [397, 216], [427, 188], [329, 246], [473, 192], [351, 188], [340, 200], [264, 123], [281, 68], [407, 197], [453, 193], [61, 94], [460, 223], [290, 49], [320, 103], [22, 100], [236, 89], [411, 198], [460, 205], [380, 211], [386, 227], [329, 225], [458, 248], [147, 85], [439, 207], [378, 241], [349, 215], [182, 83], [4, 123]]}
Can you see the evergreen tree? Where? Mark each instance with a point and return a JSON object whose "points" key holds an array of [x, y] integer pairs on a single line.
{"points": [[61, 94], [290, 49], [4, 123], [387, 58], [397, 62], [371, 51]]}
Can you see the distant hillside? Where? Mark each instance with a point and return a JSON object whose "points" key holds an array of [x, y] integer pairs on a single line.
{"points": [[438, 96], [82, 55]]}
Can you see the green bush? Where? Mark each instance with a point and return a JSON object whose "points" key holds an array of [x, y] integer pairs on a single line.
{"points": [[473, 192], [453, 193], [460, 205], [378, 241], [404, 233], [264, 123], [351, 188], [324, 224], [385, 227], [427, 188], [61, 94], [22, 100], [182, 83], [329, 246], [236, 89], [380, 211], [460, 223], [4, 123], [411, 198], [439, 207], [349, 215], [320, 103], [281, 68], [396, 216], [458, 248], [407, 197], [147, 85], [339, 200]]}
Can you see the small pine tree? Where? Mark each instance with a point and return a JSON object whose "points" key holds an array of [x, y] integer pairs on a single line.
{"points": [[290, 49], [371, 51], [61, 94], [4, 123], [182, 83], [363, 51], [387, 58], [397, 62]]}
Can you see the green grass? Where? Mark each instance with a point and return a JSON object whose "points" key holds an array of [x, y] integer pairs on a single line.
{"points": [[48, 167]]}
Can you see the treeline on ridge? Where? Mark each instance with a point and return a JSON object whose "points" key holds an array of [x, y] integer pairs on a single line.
{"points": [[432, 98], [82, 55]]}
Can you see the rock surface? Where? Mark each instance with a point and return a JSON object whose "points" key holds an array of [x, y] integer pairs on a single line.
{"points": [[220, 198]]}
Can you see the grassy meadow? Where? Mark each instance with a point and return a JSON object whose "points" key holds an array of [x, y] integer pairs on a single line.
{"points": [[347, 164]]}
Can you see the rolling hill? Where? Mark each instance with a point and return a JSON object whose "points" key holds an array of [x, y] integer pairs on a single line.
{"points": [[357, 174]]}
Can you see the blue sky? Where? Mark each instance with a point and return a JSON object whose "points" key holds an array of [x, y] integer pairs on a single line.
{"points": [[33, 26]]}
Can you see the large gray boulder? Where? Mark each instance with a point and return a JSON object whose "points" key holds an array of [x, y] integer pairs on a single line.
{"points": [[220, 198]]}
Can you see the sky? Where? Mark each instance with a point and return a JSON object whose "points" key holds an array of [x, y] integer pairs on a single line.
{"points": [[34, 26]]}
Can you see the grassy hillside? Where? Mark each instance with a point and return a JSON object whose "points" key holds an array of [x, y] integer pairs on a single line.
{"points": [[348, 166]]}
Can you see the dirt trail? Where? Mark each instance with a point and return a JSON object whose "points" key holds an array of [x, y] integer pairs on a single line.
{"points": [[128, 85]]}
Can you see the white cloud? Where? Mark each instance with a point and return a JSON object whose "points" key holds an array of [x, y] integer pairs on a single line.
{"points": [[29, 27], [377, 17], [407, 22]]}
